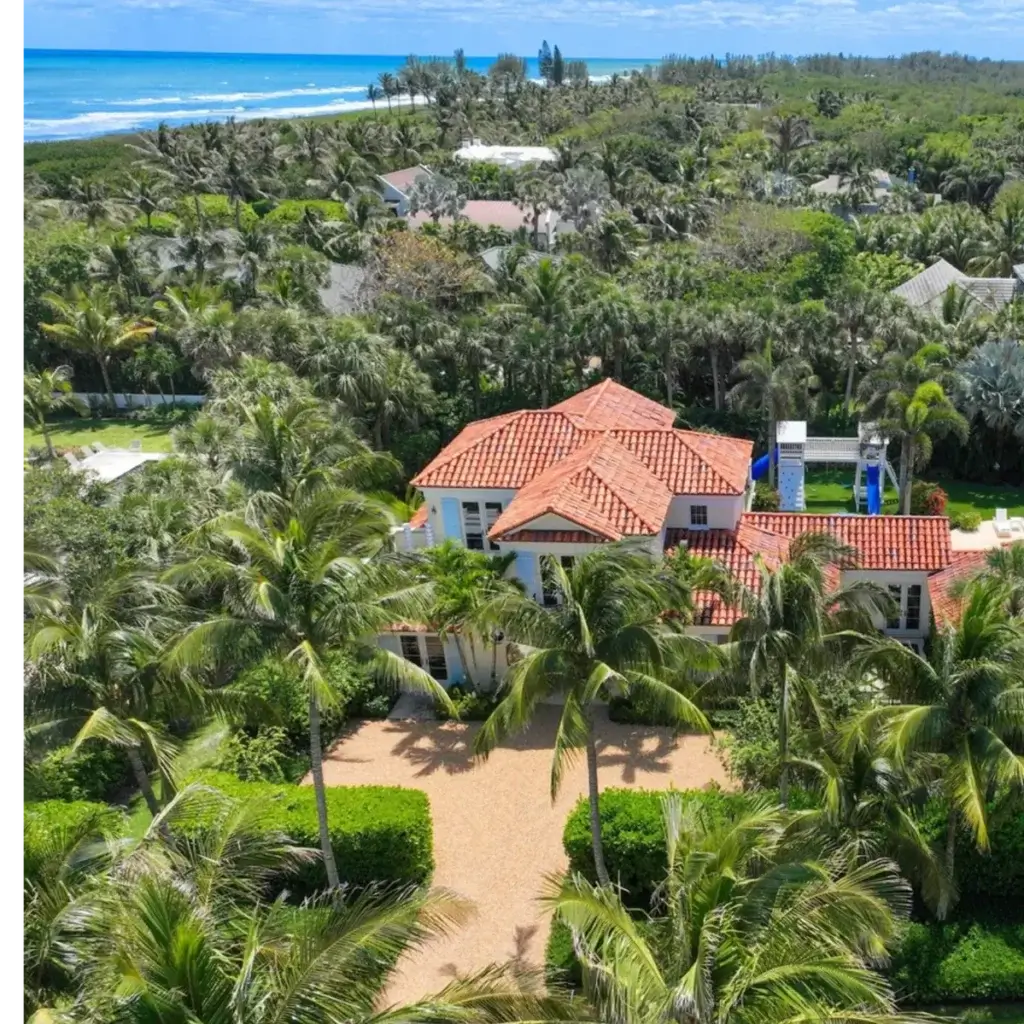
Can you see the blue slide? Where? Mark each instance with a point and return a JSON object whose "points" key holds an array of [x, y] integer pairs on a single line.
{"points": [[759, 467], [874, 491]]}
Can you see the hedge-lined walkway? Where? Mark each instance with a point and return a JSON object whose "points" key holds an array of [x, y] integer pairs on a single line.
{"points": [[496, 832]]}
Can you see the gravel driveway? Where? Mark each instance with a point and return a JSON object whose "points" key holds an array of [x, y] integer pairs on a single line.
{"points": [[496, 832]]}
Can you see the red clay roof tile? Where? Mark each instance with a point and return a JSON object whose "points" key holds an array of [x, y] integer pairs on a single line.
{"points": [[882, 542], [946, 607]]}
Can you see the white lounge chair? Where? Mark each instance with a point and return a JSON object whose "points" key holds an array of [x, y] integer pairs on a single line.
{"points": [[1005, 526], [71, 460], [97, 447]]}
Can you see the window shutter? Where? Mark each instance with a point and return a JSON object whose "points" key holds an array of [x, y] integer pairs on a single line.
{"points": [[451, 522]]}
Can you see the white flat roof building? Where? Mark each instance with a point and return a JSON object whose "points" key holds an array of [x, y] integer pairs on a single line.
{"points": [[505, 156]]}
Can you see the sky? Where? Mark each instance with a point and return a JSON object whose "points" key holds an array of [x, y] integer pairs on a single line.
{"points": [[583, 28]]}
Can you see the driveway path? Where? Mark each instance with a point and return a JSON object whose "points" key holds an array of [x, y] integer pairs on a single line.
{"points": [[496, 832]]}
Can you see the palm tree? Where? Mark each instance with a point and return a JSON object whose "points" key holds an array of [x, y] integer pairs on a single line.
{"points": [[604, 635], [906, 397], [614, 239], [583, 195], [343, 175], [47, 392], [856, 307], [788, 134], [374, 93], [90, 326], [437, 195], [313, 579], [1002, 247], [88, 201], [738, 934], [964, 702], [609, 323], [147, 192], [791, 618], [201, 320], [1006, 566], [464, 582], [101, 674], [773, 389], [124, 266], [387, 85], [671, 331]]}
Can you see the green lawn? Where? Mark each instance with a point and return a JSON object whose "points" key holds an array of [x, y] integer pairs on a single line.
{"points": [[831, 490], [114, 433]]}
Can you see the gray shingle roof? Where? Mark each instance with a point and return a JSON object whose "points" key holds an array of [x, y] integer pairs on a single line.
{"points": [[993, 292], [930, 284], [834, 185]]}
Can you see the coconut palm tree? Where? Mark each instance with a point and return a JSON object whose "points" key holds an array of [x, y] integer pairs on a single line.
{"points": [[962, 702], [464, 582], [793, 624], [788, 134], [201, 320], [604, 634], [146, 190], [387, 86], [101, 675], [89, 326], [776, 390], [343, 174], [906, 397], [89, 201], [306, 577], [47, 392], [1002, 246], [1006, 566], [738, 934], [374, 93], [856, 307]]}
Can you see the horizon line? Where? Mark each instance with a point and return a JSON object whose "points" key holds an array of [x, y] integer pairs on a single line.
{"points": [[491, 56]]}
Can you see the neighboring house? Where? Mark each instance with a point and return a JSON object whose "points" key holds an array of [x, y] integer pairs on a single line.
{"points": [[608, 464], [927, 290], [836, 186], [499, 213], [505, 156], [397, 184]]}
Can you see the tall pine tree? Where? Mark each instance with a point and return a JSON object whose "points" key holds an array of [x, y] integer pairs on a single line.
{"points": [[545, 61], [557, 67]]}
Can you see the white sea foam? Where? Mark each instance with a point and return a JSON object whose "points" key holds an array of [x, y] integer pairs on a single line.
{"points": [[101, 122], [237, 97]]}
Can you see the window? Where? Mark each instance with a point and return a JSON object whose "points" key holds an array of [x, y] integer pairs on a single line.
{"points": [[698, 515], [914, 606], [896, 593], [437, 666], [492, 509], [472, 525], [425, 651], [411, 649]]}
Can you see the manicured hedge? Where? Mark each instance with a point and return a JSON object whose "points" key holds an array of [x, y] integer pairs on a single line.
{"points": [[47, 820], [379, 833], [97, 771], [634, 835], [960, 962], [291, 211]]}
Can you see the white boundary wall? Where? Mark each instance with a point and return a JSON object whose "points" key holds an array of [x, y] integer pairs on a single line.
{"points": [[130, 401]]}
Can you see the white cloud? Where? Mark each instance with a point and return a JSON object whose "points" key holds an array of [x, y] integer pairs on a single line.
{"points": [[826, 16]]}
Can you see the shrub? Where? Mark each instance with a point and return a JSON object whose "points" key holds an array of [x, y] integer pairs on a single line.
{"points": [[290, 211], [752, 750], [471, 705], [927, 499], [218, 211], [97, 771], [634, 836], [379, 833], [49, 821], [968, 520], [959, 962], [263, 756], [766, 499], [560, 963]]}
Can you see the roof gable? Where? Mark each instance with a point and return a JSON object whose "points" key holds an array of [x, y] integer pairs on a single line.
{"points": [[609, 405], [945, 606]]}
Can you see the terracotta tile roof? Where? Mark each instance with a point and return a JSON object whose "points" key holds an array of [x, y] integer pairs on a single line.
{"points": [[882, 542], [735, 551], [485, 212], [692, 463], [510, 451], [554, 537], [609, 405], [946, 607], [600, 487], [419, 517]]}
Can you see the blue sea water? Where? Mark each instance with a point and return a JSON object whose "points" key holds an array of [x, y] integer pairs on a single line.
{"points": [[72, 94]]}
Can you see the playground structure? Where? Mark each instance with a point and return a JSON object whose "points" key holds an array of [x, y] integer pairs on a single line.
{"points": [[794, 449]]}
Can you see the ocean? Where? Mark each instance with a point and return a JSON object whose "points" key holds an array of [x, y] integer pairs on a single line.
{"points": [[74, 94]]}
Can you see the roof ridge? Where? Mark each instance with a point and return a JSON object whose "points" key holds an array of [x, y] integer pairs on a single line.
{"points": [[637, 464], [716, 473]]}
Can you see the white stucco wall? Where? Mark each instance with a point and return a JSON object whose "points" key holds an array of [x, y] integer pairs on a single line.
{"points": [[432, 497], [885, 578], [723, 511]]}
